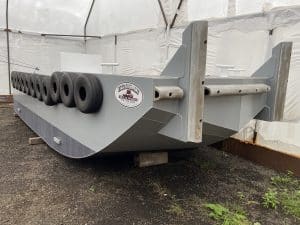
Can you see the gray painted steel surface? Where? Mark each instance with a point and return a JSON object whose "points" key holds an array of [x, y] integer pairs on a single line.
{"points": [[150, 123]]}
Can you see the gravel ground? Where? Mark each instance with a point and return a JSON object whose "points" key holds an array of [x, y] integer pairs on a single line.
{"points": [[38, 186]]}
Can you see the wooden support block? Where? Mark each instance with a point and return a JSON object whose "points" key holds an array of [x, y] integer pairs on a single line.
{"points": [[146, 159], [35, 141]]}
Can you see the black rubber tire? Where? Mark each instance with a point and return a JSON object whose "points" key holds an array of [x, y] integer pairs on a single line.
{"points": [[31, 86], [27, 84], [88, 93], [67, 84], [55, 86], [13, 79], [38, 86], [23, 81], [18, 81], [46, 91]]}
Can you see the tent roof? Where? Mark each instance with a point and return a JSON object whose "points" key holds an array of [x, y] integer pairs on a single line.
{"points": [[46, 16]]}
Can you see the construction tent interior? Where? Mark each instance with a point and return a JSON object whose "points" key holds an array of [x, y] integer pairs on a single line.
{"points": [[140, 37]]}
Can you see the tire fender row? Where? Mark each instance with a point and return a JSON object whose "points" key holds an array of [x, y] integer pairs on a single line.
{"points": [[83, 91]]}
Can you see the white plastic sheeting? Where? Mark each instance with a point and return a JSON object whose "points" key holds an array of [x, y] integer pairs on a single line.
{"points": [[236, 53], [119, 16], [80, 63], [255, 6], [30, 51], [279, 136], [50, 16], [3, 65], [140, 53], [203, 9], [2, 13]]}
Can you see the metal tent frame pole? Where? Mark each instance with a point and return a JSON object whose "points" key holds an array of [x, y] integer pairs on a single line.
{"points": [[87, 19]]}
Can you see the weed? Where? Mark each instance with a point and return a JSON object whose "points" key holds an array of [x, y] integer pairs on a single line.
{"points": [[241, 195], [287, 194], [284, 180], [291, 203], [270, 199], [92, 188], [217, 211], [225, 216]]}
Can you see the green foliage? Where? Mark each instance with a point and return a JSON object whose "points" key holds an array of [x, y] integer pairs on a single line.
{"points": [[286, 194], [270, 199], [92, 189], [241, 195], [291, 203], [225, 216], [217, 211], [286, 180]]}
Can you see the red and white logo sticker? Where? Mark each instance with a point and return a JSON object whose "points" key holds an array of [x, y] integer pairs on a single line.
{"points": [[129, 95]]}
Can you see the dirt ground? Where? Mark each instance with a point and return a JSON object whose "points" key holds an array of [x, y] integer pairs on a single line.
{"points": [[38, 186]]}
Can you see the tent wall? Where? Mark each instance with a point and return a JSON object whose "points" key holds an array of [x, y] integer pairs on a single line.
{"points": [[143, 53], [119, 16], [202, 9], [254, 6], [4, 89], [33, 51]]}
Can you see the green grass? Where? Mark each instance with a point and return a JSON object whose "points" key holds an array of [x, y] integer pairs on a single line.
{"points": [[92, 188], [291, 203], [270, 199], [285, 193], [225, 216], [285, 181]]}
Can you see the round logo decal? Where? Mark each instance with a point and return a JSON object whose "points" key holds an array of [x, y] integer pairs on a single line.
{"points": [[129, 95]]}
